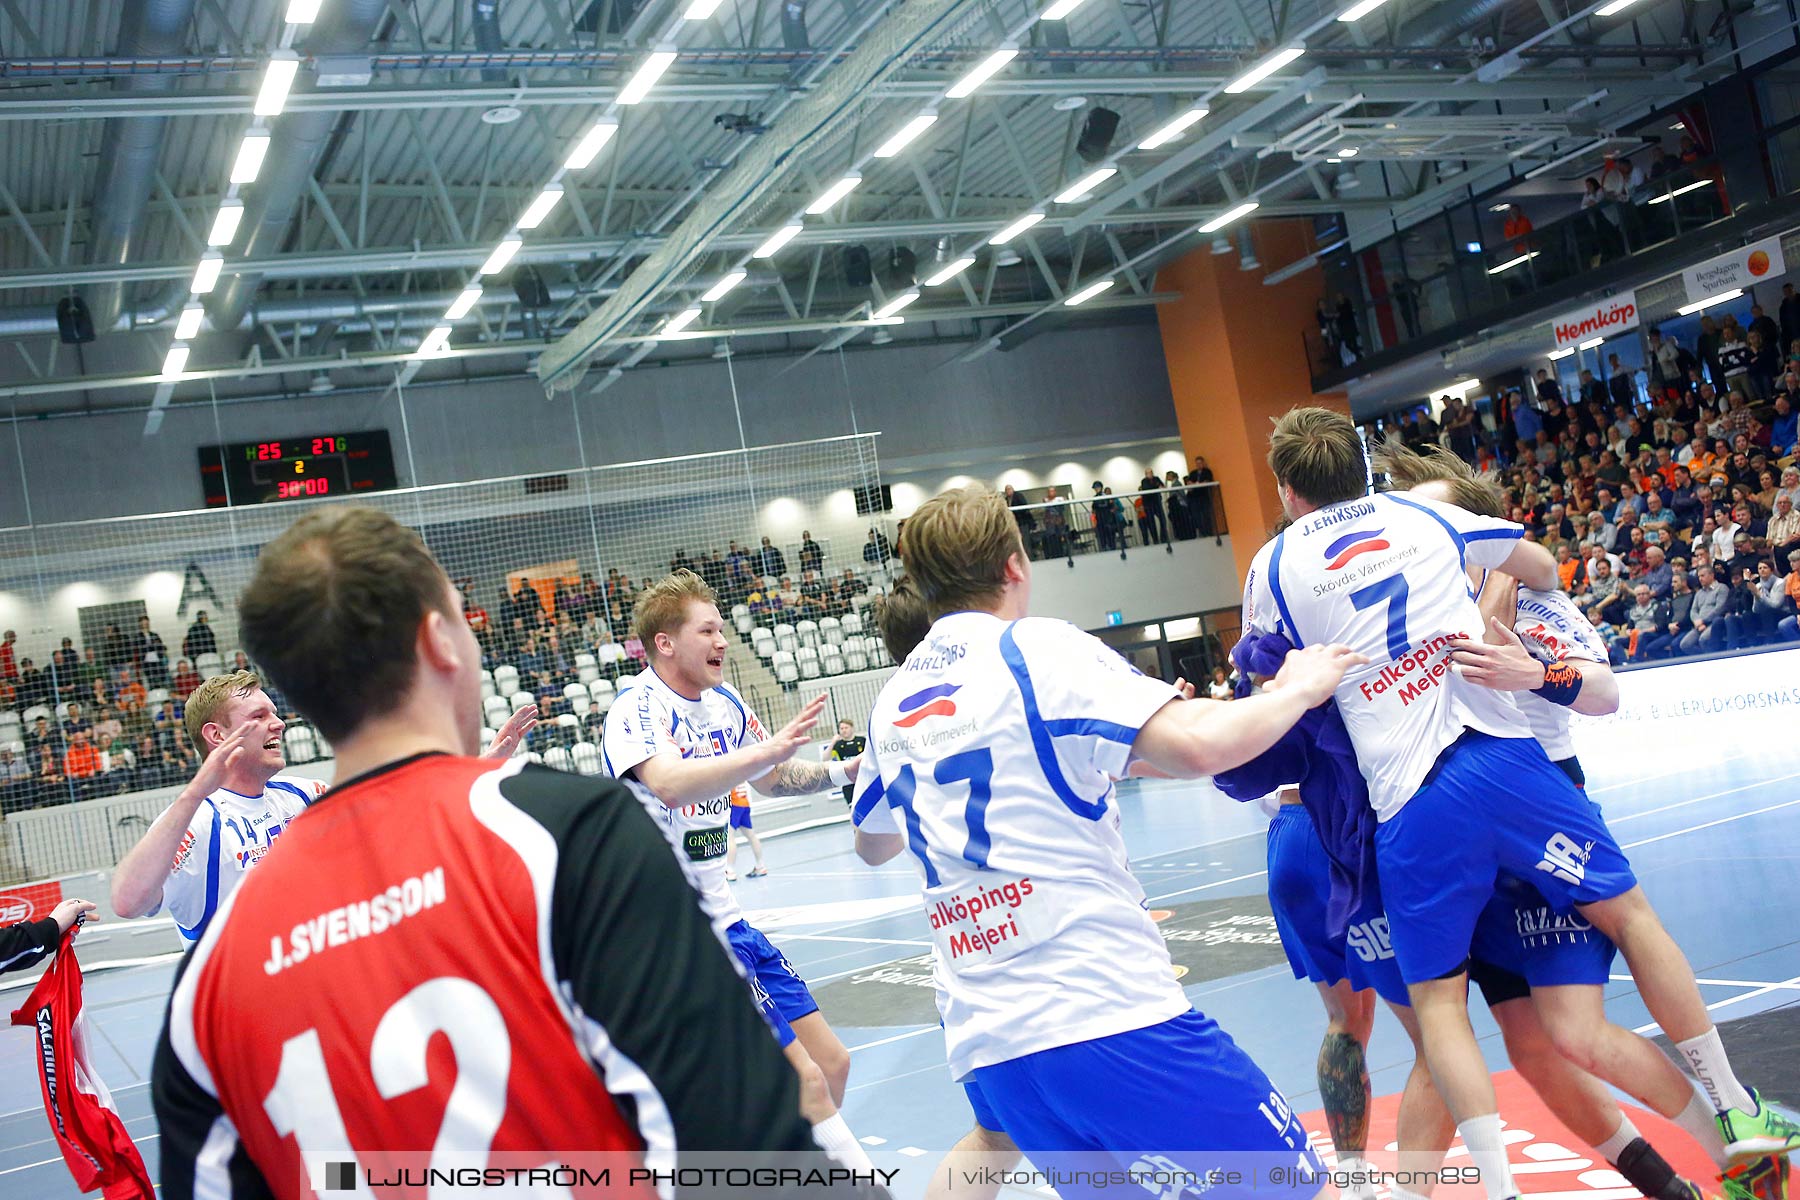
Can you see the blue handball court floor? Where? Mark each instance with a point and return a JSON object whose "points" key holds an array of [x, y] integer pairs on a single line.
{"points": [[1699, 775]]}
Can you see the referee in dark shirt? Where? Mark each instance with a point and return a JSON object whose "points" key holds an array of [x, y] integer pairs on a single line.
{"points": [[848, 747]]}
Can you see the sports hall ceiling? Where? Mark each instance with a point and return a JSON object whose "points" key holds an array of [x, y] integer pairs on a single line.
{"points": [[417, 133]]}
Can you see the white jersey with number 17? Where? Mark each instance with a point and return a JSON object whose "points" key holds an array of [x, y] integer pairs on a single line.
{"points": [[993, 752], [1387, 575]]}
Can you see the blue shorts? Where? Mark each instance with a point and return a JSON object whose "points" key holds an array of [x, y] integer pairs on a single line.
{"points": [[781, 994], [1520, 933], [984, 1112], [1299, 886], [1179, 1096], [1490, 807], [740, 816]]}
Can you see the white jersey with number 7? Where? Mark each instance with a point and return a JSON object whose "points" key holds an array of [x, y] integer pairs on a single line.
{"points": [[1387, 575], [993, 751]]}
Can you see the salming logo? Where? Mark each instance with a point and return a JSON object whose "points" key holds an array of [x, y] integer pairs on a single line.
{"points": [[1565, 859]]}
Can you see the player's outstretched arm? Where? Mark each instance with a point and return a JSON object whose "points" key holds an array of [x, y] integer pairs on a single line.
{"points": [[1191, 738], [677, 781], [137, 882], [1533, 566], [1508, 667]]}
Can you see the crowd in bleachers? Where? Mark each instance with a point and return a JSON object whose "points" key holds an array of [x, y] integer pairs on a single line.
{"points": [[102, 720], [1671, 498], [1173, 508]]}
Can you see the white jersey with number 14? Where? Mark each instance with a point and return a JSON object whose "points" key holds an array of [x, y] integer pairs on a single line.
{"points": [[1387, 575]]}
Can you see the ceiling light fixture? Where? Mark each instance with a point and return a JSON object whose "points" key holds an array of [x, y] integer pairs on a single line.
{"points": [[1088, 293], [1173, 129], [1229, 215], [465, 300], [541, 205], [699, 10], [905, 134], [1059, 10], [187, 325], [726, 283], [251, 152], [1556, 355], [680, 321], [1080, 189], [648, 72], [225, 224], [1358, 11], [983, 71], [950, 270], [503, 254], [834, 193], [271, 98], [206, 275], [1510, 263], [1690, 309], [1015, 229], [302, 12], [1680, 191], [435, 343], [1592, 344], [1262, 70], [895, 304], [777, 240], [174, 362], [591, 143]]}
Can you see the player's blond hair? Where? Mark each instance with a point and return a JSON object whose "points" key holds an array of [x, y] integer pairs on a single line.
{"points": [[1406, 468], [663, 606], [956, 547], [206, 704]]}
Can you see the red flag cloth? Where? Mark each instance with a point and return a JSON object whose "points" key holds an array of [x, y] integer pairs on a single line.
{"points": [[88, 1129]]}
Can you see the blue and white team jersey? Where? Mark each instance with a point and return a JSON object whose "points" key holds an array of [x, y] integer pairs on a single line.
{"points": [[1553, 630], [1387, 575], [228, 835], [650, 718], [993, 751]]}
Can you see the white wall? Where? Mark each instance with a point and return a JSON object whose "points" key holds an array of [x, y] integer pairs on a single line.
{"points": [[1199, 576]]}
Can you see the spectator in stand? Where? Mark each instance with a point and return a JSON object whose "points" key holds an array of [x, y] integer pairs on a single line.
{"points": [[1734, 357], [1349, 338], [155, 766], [1517, 229], [1200, 501], [812, 557], [1153, 527], [1527, 421], [9, 669], [47, 771], [812, 592], [81, 766], [770, 561], [1707, 346], [1789, 628], [1657, 574], [1646, 618], [40, 734], [1711, 607], [1764, 365], [65, 671], [131, 696], [15, 781], [107, 723], [1181, 517], [1603, 584], [34, 685], [1771, 606], [878, 551], [1664, 361], [1784, 430], [1620, 384], [1784, 528], [151, 656], [76, 722], [789, 596], [1219, 688], [1668, 643], [1762, 323], [1568, 567], [199, 639], [1593, 391], [116, 765], [185, 681]]}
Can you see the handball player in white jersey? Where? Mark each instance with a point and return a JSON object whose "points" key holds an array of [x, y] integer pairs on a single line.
{"points": [[223, 822], [1448, 761], [681, 739], [992, 754]]}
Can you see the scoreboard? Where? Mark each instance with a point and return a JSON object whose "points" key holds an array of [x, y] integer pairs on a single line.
{"points": [[297, 468]]}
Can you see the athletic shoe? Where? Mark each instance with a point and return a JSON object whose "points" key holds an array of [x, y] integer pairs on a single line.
{"points": [[730, 875], [1764, 1178], [758, 873], [1750, 1135]]}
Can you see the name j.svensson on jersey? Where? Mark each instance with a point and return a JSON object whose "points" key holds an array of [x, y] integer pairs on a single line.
{"points": [[365, 918]]}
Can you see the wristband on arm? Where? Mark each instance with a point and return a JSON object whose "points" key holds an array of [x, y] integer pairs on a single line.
{"points": [[839, 773], [1562, 683]]}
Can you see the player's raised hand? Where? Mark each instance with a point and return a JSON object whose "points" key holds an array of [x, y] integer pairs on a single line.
{"points": [[787, 741], [1501, 662], [1185, 688], [215, 768], [1316, 671], [509, 735]]}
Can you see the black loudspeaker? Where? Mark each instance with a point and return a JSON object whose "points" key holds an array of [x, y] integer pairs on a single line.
{"points": [[902, 269], [858, 273], [530, 288], [870, 500], [74, 324], [1097, 134]]}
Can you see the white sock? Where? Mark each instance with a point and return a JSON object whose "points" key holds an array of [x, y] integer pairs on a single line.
{"points": [[834, 1137], [1701, 1124], [1487, 1150], [1614, 1146], [1355, 1165], [1706, 1058]]}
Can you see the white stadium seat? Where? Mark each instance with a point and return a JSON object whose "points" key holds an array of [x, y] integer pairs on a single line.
{"points": [[808, 660], [589, 674], [300, 744], [577, 695], [506, 680], [495, 710], [585, 660], [855, 657], [36, 711], [832, 659], [808, 633], [519, 700], [853, 624], [559, 759], [832, 631], [209, 665], [587, 758]]}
